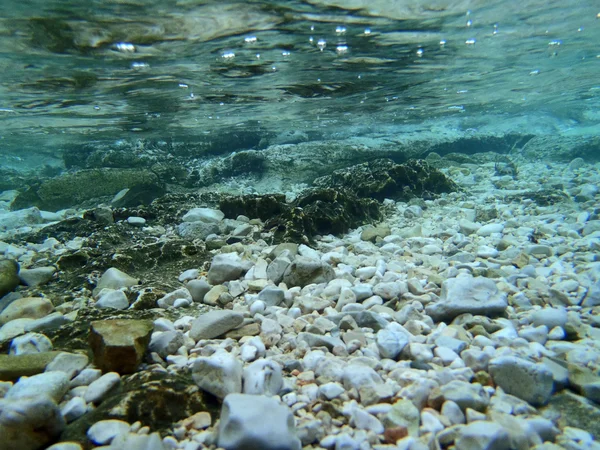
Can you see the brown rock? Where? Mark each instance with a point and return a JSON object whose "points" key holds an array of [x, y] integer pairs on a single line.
{"points": [[118, 345], [394, 434]]}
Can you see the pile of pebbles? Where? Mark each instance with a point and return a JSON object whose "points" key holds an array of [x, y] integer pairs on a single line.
{"points": [[455, 323]]}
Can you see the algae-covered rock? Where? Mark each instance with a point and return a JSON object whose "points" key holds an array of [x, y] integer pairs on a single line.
{"points": [[9, 276], [12, 367], [72, 188], [383, 178]]}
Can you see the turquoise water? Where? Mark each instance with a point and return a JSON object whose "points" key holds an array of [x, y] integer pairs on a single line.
{"points": [[75, 72]]}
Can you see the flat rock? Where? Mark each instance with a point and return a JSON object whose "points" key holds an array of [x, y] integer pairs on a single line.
{"points": [[467, 294], [104, 431], [522, 378], [12, 367], [118, 345], [256, 422], [214, 324], [69, 363], [26, 307]]}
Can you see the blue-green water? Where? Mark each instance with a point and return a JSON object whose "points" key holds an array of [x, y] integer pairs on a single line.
{"points": [[75, 71]]}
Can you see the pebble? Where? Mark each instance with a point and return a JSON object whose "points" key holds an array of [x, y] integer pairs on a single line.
{"points": [[51, 384], [262, 377], [99, 388], [105, 431]]}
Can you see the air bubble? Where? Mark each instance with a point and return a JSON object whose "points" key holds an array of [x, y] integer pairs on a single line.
{"points": [[321, 43]]}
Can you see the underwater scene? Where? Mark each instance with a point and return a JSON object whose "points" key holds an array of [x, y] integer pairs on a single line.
{"points": [[304, 224]]}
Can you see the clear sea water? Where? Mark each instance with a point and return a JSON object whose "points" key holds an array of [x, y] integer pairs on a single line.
{"points": [[74, 72]]}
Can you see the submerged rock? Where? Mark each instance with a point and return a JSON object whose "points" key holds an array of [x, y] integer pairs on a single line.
{"points": [[118, 345], [467, 294], [9, 276], [256, 421], [382, 178], [69, 189]]}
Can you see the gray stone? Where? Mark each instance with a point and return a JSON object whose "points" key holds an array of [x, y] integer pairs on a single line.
{"points": [[198, 289], [466, 395], [9, 276], [482, 435], [27, 307], [29, 423], [166, 343], [367, 319], [390, 342], [277, 268], [263, 377], [207, 215], [53, 385], [303, 271], [226, 267], [99, 388], [214, 324], [317, 340], [69, 363], [251, 422], [366, 381], [308, 304], [38, 276], [135, 441], [136, 221], [50, 322], [550, 317], [20, 218], [522, 378], [272, 295], [585, 382], [105, 431], [66, 446], [109, 298], [30, 343], [170, 298], [220, 374], [197, 230], [114, 279], [466, 294]]}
